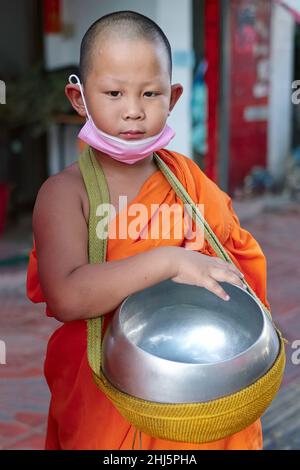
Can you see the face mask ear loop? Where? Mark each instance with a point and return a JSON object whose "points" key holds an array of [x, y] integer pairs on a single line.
{"points": [[77, 82]]}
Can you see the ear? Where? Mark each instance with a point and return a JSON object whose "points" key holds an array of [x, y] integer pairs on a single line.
{"points": [[74, 96], [176, 92]]}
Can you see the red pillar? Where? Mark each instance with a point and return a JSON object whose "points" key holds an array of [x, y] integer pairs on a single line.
{"points": [[212, 76], [249, 87], [249, 51], [52, 16]]}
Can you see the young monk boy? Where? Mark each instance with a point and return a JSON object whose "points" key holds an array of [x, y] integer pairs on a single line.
{"points": [[126, 96]]}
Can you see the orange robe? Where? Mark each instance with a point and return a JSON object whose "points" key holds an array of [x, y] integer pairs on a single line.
{"points": [[80, 415]]}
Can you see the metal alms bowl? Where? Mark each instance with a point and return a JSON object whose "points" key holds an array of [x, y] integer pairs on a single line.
{"points": [[177, 343]]}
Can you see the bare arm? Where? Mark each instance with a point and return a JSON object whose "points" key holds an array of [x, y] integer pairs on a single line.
{"points": [[106, 285], [73, 288]]}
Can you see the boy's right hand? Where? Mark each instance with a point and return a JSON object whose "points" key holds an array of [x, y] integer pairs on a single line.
{"points": [[205, 271]]}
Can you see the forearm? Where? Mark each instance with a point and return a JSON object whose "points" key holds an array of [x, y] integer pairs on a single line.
{"points": [[94, 289]]}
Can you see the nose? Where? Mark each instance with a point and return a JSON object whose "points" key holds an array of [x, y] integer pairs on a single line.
{"points": [[133, 110]]}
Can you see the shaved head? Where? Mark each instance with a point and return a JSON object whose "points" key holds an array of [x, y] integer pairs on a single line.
{"points": [[126, 25]]}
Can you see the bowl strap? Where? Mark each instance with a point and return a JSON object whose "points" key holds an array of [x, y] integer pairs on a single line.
{"points": [[199, 220], [98, 193]]}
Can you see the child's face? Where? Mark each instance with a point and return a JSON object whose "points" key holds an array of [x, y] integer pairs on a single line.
{"points": [[128, 88]]}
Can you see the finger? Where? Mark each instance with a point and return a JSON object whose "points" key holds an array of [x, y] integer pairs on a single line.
{"points": [[230, 266], [235, 280], [216, 289], [234, 269], [222, 275]]}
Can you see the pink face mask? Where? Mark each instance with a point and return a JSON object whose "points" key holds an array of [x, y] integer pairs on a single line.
{"points": [[122, 150]]}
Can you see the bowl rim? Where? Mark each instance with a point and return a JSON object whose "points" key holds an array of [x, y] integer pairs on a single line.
{"points": [[266, 322]]}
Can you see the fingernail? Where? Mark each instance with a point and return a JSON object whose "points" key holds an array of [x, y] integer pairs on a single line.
{"points": [[226, 297]]}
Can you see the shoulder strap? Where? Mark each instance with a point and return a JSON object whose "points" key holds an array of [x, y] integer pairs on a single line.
{"points": [[98, 193], [199, 220]]}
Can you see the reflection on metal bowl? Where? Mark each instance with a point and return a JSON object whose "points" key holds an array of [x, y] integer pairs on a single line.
{"points": [[177, 343]]}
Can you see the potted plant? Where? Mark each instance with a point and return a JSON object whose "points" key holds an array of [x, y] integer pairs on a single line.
{"points": [[33, 99]]}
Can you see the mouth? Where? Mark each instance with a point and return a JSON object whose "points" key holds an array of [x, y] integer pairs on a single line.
{"points": [[132, 134]]}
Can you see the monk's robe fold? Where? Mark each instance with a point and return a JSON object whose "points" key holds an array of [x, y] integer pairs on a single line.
{"points": [[80, 415]]}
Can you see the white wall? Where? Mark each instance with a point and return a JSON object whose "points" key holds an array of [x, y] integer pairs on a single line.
{"points": [[175, 18], [281, 78], [176, 22]]}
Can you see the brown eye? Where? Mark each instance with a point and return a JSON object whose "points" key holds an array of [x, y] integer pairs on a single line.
{"points": [[114, 94], [151, 94]]}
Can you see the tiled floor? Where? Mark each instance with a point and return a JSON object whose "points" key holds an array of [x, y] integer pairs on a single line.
{"points": [[24, 396], [278, 233]]}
